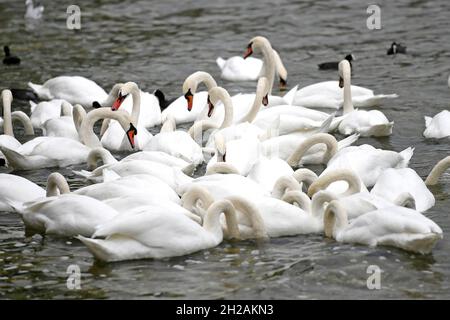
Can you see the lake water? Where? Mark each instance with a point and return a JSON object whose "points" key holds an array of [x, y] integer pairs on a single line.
{"points": [[158, 44]]}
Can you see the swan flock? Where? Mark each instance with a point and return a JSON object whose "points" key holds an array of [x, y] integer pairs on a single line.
{"points": [[256, 146]]}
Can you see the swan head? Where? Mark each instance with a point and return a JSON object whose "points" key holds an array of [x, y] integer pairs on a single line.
{"points": [[29, 2], [256, 42], [131, 133], [189, 98], [122, 93], [215, 95], [344, 68]]}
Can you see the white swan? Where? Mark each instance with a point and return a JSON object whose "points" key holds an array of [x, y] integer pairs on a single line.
{"points": [[366, 123], [159, 233], [249, 69], [437, 171], [66, 126], [143, 114], [43, 152], [437, 127], [46, 110], [176, 143], [15, 190], [395, 226], [73, 89]]}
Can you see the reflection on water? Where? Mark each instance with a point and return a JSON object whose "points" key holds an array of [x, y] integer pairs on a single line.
{"points": [[157, 44]]}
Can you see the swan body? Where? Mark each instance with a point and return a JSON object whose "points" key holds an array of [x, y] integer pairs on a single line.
{"points": [[157, 233], [395, 226], [392, 182], [66, 215], [73, 89], [15, 190], [67, 125], [439, 126], [46, 110], [239, 69], [163, 158], [266, 171], [327, 94]]}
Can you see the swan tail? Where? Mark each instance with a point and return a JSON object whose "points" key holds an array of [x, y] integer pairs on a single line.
{"points": [[375, 101], [348, 141], [14, 159], [220, 62], [406, 157], [290, 95], [325, 127], [43, 93], [427, 121], [97, 247]]}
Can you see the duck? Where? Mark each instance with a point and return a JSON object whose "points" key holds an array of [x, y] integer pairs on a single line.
{"points": [[249, 69], [32, 11], [44, 152], [437, 127], [366, 123], [73, 89], [176, 143], [9, 59], [158, 233], [113, 137], [396, 48], [334, 64], [395, 226]]}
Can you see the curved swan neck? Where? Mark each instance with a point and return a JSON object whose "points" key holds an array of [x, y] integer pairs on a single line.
{"points": [[24, 120], [269, 64], [284, 184], [194, 80], [56, 184], [335, 219], [87, 135], [136, 95], [346, 75], [7, 121], [223, 168], [197, 129], [280, 68], [193, 196], [305, 176], [66, 109], [101, 154], [318, 202], [298, 197], [169, 124], [220, 94], [261, 92], [354, 183], [211, 222], [78, 115], [329, 141], [252, 212], [437, 171]]}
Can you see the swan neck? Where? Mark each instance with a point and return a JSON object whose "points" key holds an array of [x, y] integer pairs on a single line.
{"points": [[197, 129], [197, 199], [228, 105], [284, 184], [78, 115], [136, 95], [329, 141], [223, 168], [251, 211], [211, 222], [318, 203], [354, 183], [24, 120], [56, 184], [7, 121], [99, 154], [348, 104], [305, 176], [257, 103], [269, 63], [299, 197], [335, 219], [437, 171]]}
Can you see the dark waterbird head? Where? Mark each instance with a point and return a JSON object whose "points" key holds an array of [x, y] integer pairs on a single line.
{"points": [[350, 57], [6, 49]]}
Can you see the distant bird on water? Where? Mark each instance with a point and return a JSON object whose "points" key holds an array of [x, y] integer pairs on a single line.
{"points": [[334, 64], [9, 59], [32, 11], [396, 48]]}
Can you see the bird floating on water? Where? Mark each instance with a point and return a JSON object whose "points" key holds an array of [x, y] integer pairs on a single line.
{"points": [[32, 11], [9, 59]]}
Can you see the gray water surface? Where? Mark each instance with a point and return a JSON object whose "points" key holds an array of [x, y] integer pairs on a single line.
{"points": [[157, 44]]}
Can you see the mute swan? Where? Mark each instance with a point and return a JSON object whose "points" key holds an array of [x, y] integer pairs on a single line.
{"points": [[32, 11], [439, 126], [331, 147], [335, 64], [73, 89], [9, 59], [392, 182], [15, 190], [367, 123], [367, 162], [45, 110], [250, 69], [160, 234], [113, 138], [66, 126], [176, 143], [396, 48], [395, 226], [437, 171], [43, 152]]}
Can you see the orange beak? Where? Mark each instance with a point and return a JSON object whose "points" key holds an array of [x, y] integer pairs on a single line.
{"points": [[248, 52], [131, 133], [190, 102], [116, 105]]}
